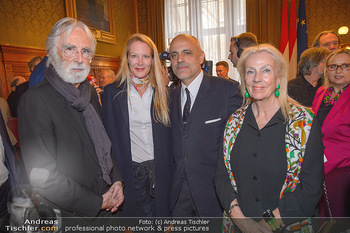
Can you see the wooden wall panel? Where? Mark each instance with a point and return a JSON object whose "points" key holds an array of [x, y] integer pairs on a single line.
{"points": [[14, 62]]}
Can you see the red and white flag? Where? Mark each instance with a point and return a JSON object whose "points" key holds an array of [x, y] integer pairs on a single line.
{"points": [[293, 51], [284, 47]]}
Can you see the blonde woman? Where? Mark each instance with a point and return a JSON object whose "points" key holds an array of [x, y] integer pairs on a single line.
{"points": [[332, 109], [271, 158], [136, 117]]}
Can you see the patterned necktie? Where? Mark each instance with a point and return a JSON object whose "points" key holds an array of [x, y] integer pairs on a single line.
{"points": [[187, 106]]}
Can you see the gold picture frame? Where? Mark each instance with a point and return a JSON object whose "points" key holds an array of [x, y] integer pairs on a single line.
{"points": [[97, 15]]}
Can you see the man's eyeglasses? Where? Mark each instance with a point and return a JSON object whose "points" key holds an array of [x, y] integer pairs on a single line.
{"points": [[72, 51], [334, 67]]}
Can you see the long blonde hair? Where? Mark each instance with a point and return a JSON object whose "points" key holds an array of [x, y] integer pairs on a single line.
{"points": [[160, 96], [281, 72]]}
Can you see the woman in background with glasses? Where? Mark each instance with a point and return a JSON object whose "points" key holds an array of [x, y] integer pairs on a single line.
{"points": [[332, 108]]}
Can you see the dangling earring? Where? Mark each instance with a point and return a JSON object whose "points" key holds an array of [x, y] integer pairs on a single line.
{"points": [[246, 94], [277, 93]]}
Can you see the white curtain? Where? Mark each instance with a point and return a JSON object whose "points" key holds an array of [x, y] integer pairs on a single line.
{"points": [[213, 22]]}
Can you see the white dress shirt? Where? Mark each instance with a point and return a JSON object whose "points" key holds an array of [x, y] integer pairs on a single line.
{"points": [[193, 89], [140, 121]]}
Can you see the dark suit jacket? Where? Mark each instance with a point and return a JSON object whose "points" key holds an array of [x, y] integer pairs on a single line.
{"points": [[10, 157], [302, 91], [19, 91], [196, 144], [116, 119], [54, 140]]}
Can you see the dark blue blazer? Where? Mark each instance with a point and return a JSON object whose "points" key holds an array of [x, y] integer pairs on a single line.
{"points": [[116, 120], [196, 145]]}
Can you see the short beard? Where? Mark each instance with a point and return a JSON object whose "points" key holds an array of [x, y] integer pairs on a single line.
{"points": [[65, 73]]}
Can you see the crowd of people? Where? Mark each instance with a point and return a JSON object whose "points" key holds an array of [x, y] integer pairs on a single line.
{"points": [[264, 148]]}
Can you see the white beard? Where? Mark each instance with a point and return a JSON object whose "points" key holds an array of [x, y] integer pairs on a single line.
{"points": [[67, 75]]}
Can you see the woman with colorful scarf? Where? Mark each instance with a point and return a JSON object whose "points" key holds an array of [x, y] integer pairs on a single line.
{"points": [[271, 160], [332, 109], [135, 112]]}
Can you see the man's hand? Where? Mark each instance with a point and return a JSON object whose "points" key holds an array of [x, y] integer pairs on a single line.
{"points": [[113, 198]]}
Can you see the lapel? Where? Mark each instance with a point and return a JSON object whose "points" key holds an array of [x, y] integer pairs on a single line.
{"points": [[200, 101], [77, 122], [121, 99], [176, 102], [155, 127], [338, 106], [319, 100]]}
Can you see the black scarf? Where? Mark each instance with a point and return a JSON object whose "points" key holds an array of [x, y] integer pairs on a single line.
{"points": [[80, 100]]}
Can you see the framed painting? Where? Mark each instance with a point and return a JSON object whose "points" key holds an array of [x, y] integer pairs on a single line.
{"points": [[97, 14]]}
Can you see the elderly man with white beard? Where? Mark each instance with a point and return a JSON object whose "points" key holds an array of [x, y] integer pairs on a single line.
{"points": [[66, 151]]}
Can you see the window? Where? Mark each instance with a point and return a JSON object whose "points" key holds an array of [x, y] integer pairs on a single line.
{"points": [[213, 22]]}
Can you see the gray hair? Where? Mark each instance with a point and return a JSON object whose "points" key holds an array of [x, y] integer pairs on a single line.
{"points": [[109, 73], [281, 71], [65, 27], [310, 59]]}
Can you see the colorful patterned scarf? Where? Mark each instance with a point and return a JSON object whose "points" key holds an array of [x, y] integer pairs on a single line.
{"points": [[296, 136], [297, 133], [138, 82]]}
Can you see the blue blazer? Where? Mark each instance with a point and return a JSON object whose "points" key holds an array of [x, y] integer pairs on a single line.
{"points": [[116, 120], [196, 145]]}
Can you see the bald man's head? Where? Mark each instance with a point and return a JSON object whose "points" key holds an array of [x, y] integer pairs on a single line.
{"points": [[186, 57], [16, 81]]}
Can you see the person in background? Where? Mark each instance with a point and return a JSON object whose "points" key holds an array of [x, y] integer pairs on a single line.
{"points": [[136, 117], [310, 76], [65, 148], [11, 99], [107, 76], [5, 111], [332, 108], [20, 90], [23, 86], [200, 107], [38, 73], [34, 62], [8, 173], [222, 69], [166, 75], [17, 80], [328, 40], [270, 161], [238, 44]]}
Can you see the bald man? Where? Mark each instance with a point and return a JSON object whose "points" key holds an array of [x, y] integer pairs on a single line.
{"points": [[19, 85], [200, 107]]}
